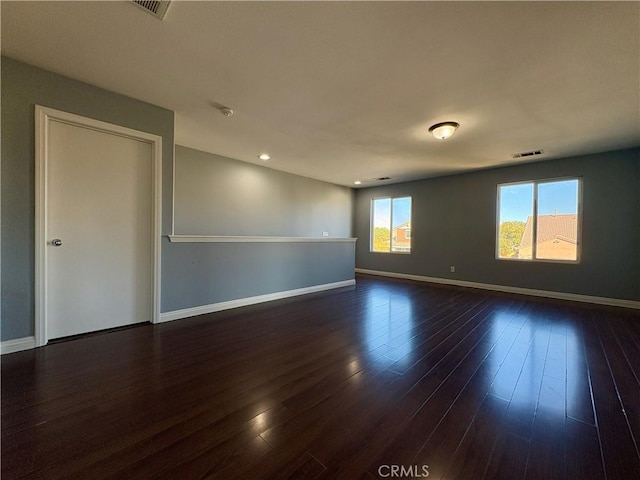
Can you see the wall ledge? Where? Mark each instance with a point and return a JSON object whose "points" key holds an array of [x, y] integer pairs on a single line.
{"points": [[17, 345], [243, 302], [255, 239], [575, 297]]}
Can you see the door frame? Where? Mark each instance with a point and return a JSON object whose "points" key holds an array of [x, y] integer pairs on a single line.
{"points": [[43, 117]]}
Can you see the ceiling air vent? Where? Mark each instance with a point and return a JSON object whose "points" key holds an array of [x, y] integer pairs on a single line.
{"points": [[527, 154], [380, 179], [156, 8]]}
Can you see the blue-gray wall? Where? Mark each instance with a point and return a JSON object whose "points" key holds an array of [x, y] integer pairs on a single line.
{"points": [[23, 87], [207, 273], [454, 223], [215, 195], [192, 274]]}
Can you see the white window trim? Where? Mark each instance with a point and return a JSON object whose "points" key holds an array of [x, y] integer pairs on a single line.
{"points": [[534, 240], [371, 225]]}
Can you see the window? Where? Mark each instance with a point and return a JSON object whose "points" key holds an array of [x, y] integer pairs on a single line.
{"points": [[539, 220], [391, 225]]}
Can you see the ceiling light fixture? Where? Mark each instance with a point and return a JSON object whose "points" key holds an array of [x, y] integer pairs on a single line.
{"points": [[443, 130], [264, 156], [357, 182]]}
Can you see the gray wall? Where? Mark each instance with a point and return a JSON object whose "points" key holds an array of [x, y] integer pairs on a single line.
{"points": [[219, 272], [454, 223], [24, 86], [215, 195], [219, 196], [192, 274]]}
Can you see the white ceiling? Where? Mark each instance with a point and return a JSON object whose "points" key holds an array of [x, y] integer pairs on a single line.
{"points": [[345, 91]]}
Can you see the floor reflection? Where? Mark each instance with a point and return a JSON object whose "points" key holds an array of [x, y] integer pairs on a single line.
{"points": [[543, 371], [388, 327]]}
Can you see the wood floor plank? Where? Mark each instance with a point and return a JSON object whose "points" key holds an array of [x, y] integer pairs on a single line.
{"points": [[579, 393], [444, 383], [629, 344], [509, 458], [418, 386], [582, 451], [472, 454], [618, 449], [624, 379], [528, 363], [452, 426], [547, 455], [336, 385]]}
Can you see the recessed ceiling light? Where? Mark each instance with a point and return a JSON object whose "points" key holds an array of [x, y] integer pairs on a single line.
{"points": [[264, 156], [443, 130], [357, 182]]}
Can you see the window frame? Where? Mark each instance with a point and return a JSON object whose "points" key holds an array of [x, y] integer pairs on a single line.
{"points": [[372, 226], [534, 214]]}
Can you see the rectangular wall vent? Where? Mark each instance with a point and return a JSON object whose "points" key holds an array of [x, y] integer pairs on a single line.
{"points": [[527, 154], [156, 8]]}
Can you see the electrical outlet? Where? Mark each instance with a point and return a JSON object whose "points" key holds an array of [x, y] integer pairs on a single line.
{"points": [[453, 269], [325, 234]]}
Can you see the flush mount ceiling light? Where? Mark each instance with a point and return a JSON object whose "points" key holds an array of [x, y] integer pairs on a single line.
{"points": [[264, 156], [357, 182], [443, 130]]}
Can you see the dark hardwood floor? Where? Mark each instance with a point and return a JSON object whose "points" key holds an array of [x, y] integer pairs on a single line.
{"points": [[386, 379]]}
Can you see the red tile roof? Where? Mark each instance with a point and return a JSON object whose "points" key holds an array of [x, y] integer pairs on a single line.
{"points": [[561, 226]]}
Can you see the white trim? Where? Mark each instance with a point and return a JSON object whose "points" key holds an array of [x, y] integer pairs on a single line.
{"points": [[173, 180], [254, 239], [534, 219], [156, 226], [372, 226], [17, 345], [243, 302], [43, 115], [615, 302]]}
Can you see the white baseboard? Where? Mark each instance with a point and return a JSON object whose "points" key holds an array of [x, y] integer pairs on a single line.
{"points": [[243, 302], [615, 302], [17, 345]]}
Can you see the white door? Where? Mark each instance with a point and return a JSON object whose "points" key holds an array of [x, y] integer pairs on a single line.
{"points": [[99, 224]]}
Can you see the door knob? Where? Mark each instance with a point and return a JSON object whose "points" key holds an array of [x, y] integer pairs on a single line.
{"points": [[56, 243]]}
